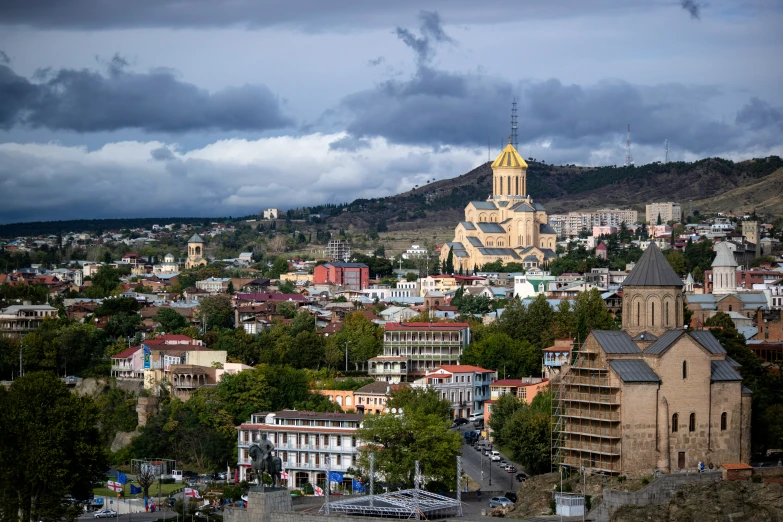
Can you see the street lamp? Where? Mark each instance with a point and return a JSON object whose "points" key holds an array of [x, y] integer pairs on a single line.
{"points": [[346, 356]]}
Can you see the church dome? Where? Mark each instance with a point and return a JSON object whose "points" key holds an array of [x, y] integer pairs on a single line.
{"points": [[725, 256], [509, 158]]}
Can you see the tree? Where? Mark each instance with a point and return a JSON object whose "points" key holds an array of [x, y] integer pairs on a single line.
{"points": [[399, 440], [279, 266], [107, 257], [49, 448], [230, 288], [122, 325], [128, 305], [364, 338], [146, 477], [660, 221], [498, 351], [411, 277], [449, 266], [104, 281], [426, 401], [502, 410], [528, 434], [676, 260], [216, 311], [698, 275], [471, 304], [591, 314], [170, 320], [286, 287]]}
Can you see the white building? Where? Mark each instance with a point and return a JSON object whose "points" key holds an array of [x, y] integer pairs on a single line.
{"points": [[415, 251], [724, 268], [272, 213], [17, 320], [303, 440], [168, 266], [213, 285]]}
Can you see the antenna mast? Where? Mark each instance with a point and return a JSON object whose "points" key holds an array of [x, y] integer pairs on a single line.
{"points": [[667, 151], [514, 138], [628, 156]]}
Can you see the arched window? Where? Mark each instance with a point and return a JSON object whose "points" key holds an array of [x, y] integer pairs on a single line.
{"points": [[638, 314], [730, 309], [723, 418], [684, 369], [516, 184], [508, 184], [652, 314], [692, 422], [675, 423], [666, 317]]}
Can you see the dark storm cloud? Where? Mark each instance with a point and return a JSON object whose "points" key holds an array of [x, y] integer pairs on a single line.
{"points": [[88, 101], [760, 115], [4, 59], [432, 33], [162, 154], [694, 8]]}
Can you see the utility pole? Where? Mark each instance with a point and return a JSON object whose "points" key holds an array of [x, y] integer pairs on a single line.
{"points": [[21, 370], [346, 356]]}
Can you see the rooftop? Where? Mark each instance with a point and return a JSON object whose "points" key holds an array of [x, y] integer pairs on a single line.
{"points": [[652, 270], [509, 158], [425, 326]]}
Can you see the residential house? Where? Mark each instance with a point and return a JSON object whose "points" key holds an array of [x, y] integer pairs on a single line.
{"points": [[214, 285], [18, 320], [466, 387]]}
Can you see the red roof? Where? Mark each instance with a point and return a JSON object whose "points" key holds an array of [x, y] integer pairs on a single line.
{"points": [[428, 326], [516, 382], [269, 297], [736, 466], [173, 337], [600, 246], [126, 353], [462, 368]]}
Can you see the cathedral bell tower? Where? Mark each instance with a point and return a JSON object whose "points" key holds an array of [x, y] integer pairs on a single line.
{"points": [[509, 175]]}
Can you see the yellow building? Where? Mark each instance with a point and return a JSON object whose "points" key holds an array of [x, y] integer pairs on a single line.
{"points": [[195, 252], [508, 226]]}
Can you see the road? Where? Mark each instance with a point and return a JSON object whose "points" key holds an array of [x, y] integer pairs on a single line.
{"points": [[474, 462]]}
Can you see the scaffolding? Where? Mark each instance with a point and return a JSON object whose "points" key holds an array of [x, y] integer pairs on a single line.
{"points": [[586, 416], [407, 503]]}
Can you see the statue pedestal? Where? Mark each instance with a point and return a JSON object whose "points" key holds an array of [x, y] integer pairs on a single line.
{"points": [[260, 505]]}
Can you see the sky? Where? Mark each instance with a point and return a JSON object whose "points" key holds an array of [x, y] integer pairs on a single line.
{"points": [[111, 108]]}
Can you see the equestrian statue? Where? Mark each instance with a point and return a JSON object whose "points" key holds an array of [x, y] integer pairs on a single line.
{"points": [[263, 461]]}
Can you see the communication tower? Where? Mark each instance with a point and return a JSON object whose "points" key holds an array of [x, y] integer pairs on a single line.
{"points": [[666, 160], [628, 156], [514, 138]]}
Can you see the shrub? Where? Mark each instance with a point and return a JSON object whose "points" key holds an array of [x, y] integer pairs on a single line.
{"points": [[588, 502], [296, 493], [621, 479], [167, 480], [553, 506], [756, 479], [645, 481]]}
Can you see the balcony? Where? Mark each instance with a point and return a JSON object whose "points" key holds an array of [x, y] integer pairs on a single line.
{"points": [[387, 371]]}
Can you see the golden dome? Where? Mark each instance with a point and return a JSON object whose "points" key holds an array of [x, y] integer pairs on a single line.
{"points": [[509, 158]]}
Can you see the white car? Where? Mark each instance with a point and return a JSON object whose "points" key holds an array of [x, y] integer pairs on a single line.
{"points": [[499, 502], [106, 513], [495, 456]]}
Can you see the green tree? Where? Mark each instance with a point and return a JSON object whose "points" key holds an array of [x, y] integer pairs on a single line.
{"points": [[170, 320], [676, 260], [471, 304], [122, 325], [49, 448], [286, 287], [230, 288], [287, 310], [104, 282], [510, 357], [306, 351], [364, 338], [697, 274], [399, 440], [503, 409], [425, 401], [448, 267], [279, 266], [528, 434], [591, 314], [127, 305], [216, 311], [244, 393], [660, 221], [411, 277]]}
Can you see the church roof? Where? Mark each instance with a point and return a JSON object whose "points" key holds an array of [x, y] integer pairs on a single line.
{"points": [[645, 336], [652, 270], [546, 228], [499, 252], [493, 228], [615, 341], [522, 207], [509, 158], [634, 370], [725, 256], [195, 239], [473, 240], [483, 205], [722, 371], [467, 225]]}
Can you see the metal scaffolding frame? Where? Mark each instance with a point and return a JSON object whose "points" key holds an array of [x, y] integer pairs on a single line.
{"points": [[407, 503], [585, 410]]}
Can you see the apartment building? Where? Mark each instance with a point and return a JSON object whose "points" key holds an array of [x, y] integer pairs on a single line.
{"points": [[214, 285], [410, 350], [303, 440], [466, 387], [667, 211], [17, 320], [337, 250], [568, 225], [272, 213]]}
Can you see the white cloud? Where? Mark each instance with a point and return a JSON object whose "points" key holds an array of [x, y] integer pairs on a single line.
{"points": [[228, 177]]}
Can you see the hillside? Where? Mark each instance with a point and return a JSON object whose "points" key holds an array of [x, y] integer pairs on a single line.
{"points": [[713, 184]]}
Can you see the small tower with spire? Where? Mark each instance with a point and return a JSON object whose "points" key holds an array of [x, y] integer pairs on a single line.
{"points": [[195, 252]]}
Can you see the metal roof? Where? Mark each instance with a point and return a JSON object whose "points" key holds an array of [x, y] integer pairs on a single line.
{"points": [[725, 256], [633, 370], [732, 362], [664, 342], [522, 207], [546, 228], [652, 270], [461, 253], [644, 336], [499, 252], [195, 239], [484, 205], [456, 245], [746, 390], [615, 341], [473, 240], [491, 227], [707, 340], [722, 371], [468, 225]]}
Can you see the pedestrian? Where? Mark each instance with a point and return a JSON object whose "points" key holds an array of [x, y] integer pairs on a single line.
{"points": [[147, 508], [478, 494]]}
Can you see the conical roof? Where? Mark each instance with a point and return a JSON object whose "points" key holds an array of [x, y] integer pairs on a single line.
{"points": [[509, 158], [652, 270], [725, 256], [195, 239]]}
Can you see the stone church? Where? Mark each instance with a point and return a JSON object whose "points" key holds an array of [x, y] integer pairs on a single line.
{"points": [[508, 226], [653, 395]]}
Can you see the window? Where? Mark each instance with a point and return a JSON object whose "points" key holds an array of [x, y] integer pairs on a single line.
{"points": [[652, 314], [675, 423], [638, 317], [692, 422], [684, 369], [723, 417], [666, 318]]}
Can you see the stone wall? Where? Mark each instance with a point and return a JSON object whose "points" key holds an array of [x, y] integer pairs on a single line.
{"points": [[659, 491], [260, 506]]}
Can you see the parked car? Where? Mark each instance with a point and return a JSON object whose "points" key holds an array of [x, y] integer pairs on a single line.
{"points": [[105, 513], [499, 502], [486, 452], [478, 447], [503, 464], [511, 469], [495, 456], [460, 421], [511, 496]]}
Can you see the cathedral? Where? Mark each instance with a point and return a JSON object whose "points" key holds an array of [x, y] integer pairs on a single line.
{"points": [[508, 226]]}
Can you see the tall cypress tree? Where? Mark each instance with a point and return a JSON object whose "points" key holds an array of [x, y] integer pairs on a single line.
{"points": [[449, 267]]}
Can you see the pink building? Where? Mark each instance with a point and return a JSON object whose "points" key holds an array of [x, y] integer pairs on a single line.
{"points": [[600, 231]]}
